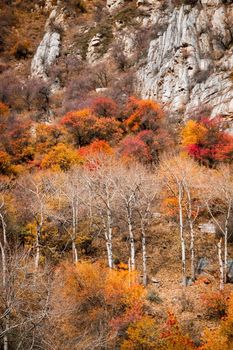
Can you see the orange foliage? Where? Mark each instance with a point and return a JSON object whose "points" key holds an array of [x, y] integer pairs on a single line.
{"points": [[144, 115], [221, 337], [192, 133], [147, 334], [170, 206], [207, 140], [215, 303], [4, 163], [98, 299], [86, 127], [47, 136], [4, 109], [95, 148]]}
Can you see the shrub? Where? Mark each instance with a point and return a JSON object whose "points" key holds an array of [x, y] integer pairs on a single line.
{"points": [[22, 50], [214, 304], [4, 163], [104, 107], [61, 157], [153, 297]]}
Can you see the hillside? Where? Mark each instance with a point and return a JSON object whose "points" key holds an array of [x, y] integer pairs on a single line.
{"points": [[116, 175]]}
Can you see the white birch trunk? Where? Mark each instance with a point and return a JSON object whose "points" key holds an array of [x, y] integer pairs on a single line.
{"points": [[37, 256], [131, 238], [183, 255], [144, 262], [226, 243], [192, 235], [5, 338], [4, 276], [109, 238], [192, 251], [74, 231], [74, 252], [221, 270]]}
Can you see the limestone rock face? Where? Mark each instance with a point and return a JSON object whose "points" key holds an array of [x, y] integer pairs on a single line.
{"points": [[93, 48], [189, 62], [46, 53], [114, 4]]}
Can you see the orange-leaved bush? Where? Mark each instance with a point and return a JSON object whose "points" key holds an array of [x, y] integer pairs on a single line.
{"points": [[88, 297], [143, 115], [207, 140], [221, 338], [85, 127], [96, 148], [148, 334]]}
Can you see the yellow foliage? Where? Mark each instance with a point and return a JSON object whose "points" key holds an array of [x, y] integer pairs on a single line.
{"points": [[192, 133], [221, 338], [61, 157], [142, 335]]}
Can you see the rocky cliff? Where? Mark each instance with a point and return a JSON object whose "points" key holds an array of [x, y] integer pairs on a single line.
{"points": [[187, 64]]}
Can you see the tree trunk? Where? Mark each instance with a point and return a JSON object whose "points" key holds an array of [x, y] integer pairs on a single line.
{"points": [[192, 240], [183, 255], [192, 235], [221, 270], [144, 262], [4, 276], [5, 337], [109, 252], [37, 256], [74, 230], [75, 253], [131, 238], [108, 237], [226, 243]]}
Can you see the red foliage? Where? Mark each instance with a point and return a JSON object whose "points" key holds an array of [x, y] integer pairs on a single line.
{"points": [[173, 337], [145, 146], [104, 107], [134, 148], [18, 140], [215, 145]]}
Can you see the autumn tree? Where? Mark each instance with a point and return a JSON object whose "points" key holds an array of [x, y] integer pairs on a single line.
{"points": [[146, 204], [103, 193], [33, 193], [85, 127], [104, 107], [143, 115], [61, 157], [220, 338], [69, 194], [218, 196], [207, 140], [93, 302], [178, 176]]}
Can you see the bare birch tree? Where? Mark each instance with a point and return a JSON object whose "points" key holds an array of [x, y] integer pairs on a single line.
{"points": [[148, 194], [102, 191], [217, 188], [178, 176], [33, 192]]}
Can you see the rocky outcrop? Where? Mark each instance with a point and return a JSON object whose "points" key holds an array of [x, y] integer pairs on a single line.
{"points": [[46, 53], [189, 63], [49, 48], [114, 4], [190, 58]]}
